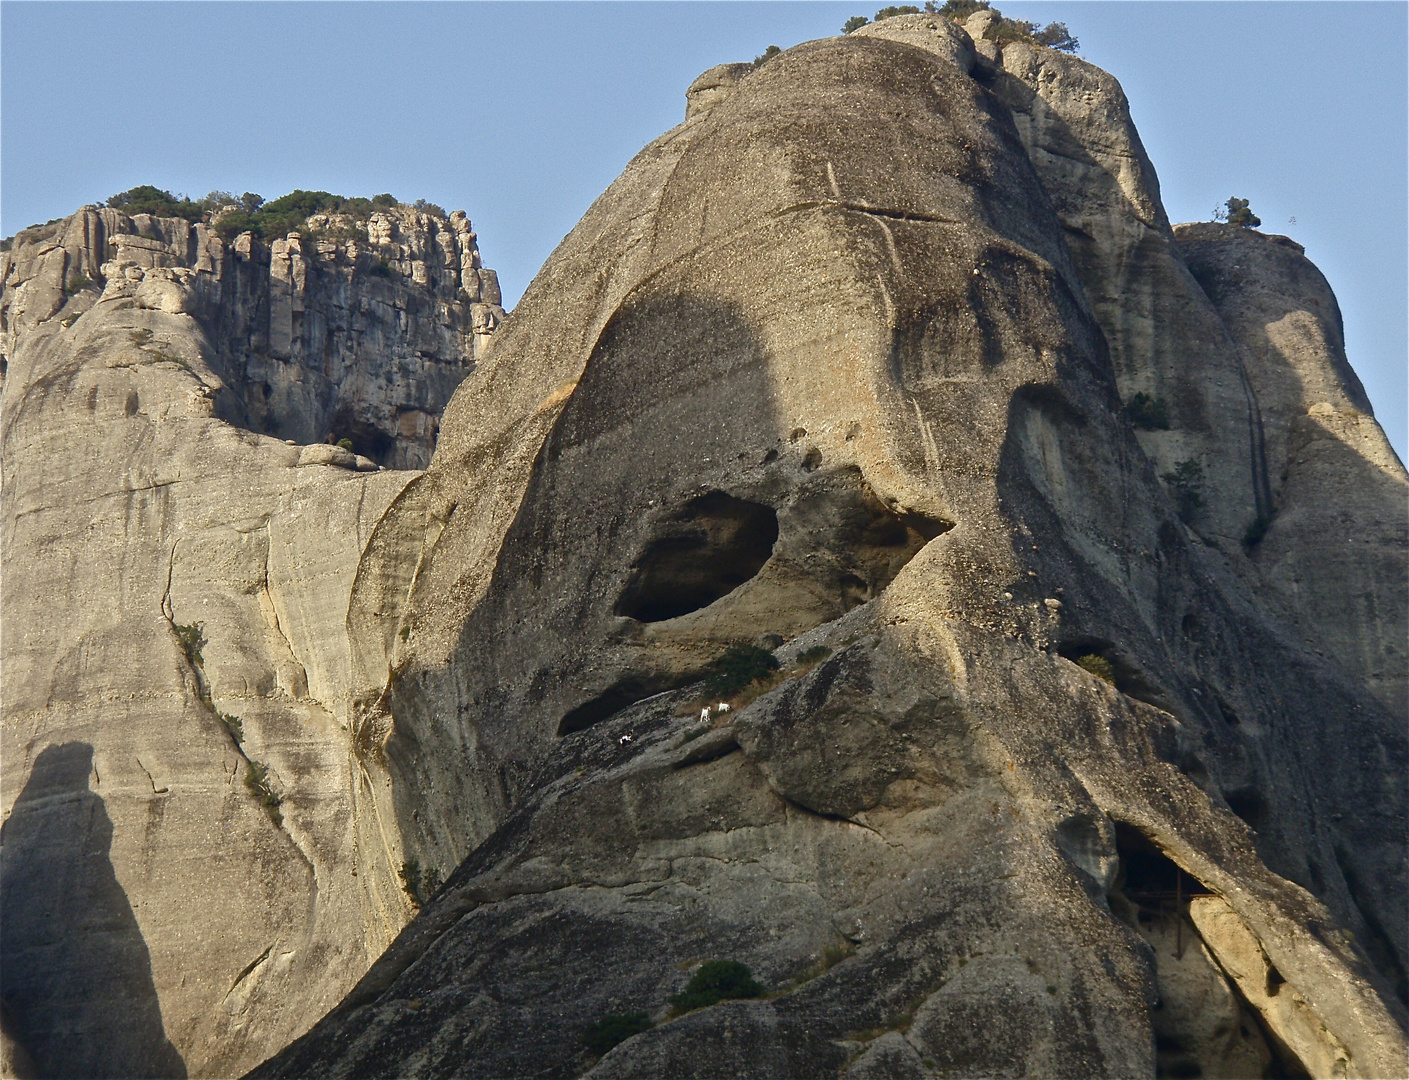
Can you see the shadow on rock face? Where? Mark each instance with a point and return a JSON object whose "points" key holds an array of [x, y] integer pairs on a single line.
{"points": [[77, 975]]}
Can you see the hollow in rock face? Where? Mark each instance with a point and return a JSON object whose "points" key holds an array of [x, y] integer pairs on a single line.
{"points": [[710, 547]]}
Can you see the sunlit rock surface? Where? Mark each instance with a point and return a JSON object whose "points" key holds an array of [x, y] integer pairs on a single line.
{"points": [[1062, 772], [192, 872]]}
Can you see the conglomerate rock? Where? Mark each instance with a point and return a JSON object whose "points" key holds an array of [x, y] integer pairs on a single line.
{"points": [[1064, 772], [188, 882]]}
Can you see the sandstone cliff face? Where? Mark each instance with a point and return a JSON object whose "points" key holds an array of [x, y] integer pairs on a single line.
{"points": [[360, 330], [192, 870], [842, 362]]}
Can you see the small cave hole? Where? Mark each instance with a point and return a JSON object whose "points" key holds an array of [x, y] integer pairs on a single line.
{"points": [[1147, 877], [1229, 716], [704, 551], [1249, 805], [1275, 982], [812, 460], [620, 695], [367, 439]]}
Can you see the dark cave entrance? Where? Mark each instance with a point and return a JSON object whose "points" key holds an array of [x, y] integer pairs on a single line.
{"points": [[706, 550], [1151, 895]]}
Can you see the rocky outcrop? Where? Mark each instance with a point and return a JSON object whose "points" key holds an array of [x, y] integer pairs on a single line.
{"points": [[357, 330], [192, 870], [1046, 780], [1333, 538]]}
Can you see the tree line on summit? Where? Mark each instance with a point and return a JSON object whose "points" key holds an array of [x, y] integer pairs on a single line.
{"points": [[1054, 35]]}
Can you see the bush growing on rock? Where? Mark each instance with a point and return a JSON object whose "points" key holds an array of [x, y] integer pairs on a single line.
{"points": [[766, 55], [739, 666], [192, 638], [257, 784], [1055, 35], [1236, 212], [716, 981], [617, 1028], [856, 22], [1240, 214], [1186, 487], [1098, 666], [1147, 413]]}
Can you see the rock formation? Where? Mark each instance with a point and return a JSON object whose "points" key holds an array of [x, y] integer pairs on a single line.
{"points": [[188, 883], [888, 360], [358, 330], [883, 378]]}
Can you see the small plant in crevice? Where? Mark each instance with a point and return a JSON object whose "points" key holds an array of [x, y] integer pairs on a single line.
{"points": [[1186, 487], [766, 55], [77, 283], [141, 336], [234, 725], [1098, 666], [192, 638], [611, 1030], [813, 656], [1147, 413], [345, 443], [431, 881], [380, 268], [832, 955], [420, 885], [257, 784], [715, 981]]}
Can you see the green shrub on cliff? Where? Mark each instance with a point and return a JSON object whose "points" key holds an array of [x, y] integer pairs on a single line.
{"points": [[739, 666], [1186, 487], [1238, 213], [617, 1028], [715, 981]]}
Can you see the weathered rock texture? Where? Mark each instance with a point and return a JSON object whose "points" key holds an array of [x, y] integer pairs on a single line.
{"points": [[358, 330], [842, 362], [176, 654]]}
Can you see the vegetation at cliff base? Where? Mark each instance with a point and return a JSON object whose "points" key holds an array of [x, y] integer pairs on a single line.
{"points": [[1147, 413], [1002, 31], [739, 666]]}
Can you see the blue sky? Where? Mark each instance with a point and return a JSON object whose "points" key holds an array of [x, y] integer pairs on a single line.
{"points": [[521, 113]]}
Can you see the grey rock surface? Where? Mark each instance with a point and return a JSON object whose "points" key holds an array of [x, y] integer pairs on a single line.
{"points": [[1047, 775], [190, 874]]}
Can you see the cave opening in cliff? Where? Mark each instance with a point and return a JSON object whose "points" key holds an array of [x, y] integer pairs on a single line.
{"points": [[704, 551], [367, 439]]}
